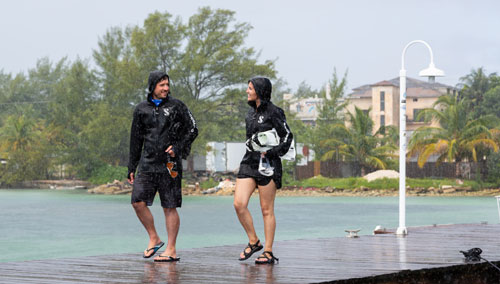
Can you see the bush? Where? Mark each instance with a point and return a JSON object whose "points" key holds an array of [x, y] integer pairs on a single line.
{"points": [[208, 183], [107, 173]]}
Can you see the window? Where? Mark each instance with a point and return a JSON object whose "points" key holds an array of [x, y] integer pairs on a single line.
{"points": [[416, 111], [382, 120], [366, 112], [298, 108], [382, 101], [415, 100]]}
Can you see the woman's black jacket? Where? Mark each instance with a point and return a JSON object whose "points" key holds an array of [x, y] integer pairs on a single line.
{"points": [[266, 117]]}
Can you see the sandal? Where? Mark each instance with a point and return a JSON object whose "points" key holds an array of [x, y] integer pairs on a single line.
{"points": [[166, 258], [154, 249], [253, 248], [269, 260]]}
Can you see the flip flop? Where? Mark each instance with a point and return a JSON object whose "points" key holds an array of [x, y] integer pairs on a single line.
{"points": [[167, 258], [154, 249]]}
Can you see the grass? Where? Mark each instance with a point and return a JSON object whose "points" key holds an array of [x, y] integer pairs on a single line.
{"points": [[385, 183], [208, 183]]}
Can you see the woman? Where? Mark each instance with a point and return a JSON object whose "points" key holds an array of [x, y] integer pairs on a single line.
{"points": [[262, 116]]}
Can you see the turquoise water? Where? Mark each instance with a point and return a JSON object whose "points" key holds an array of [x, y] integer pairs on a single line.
{"points": [[42, 224]]}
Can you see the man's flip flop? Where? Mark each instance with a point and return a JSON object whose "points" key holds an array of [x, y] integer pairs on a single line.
{"points": [[167, 258], [154, 249]]}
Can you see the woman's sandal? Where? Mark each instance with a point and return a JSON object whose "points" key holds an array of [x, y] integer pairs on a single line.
{"points": [[253, 248], [269, 260]]}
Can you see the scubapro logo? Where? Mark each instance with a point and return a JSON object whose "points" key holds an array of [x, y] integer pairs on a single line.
{"points": [[166, 112], [261, 119]]}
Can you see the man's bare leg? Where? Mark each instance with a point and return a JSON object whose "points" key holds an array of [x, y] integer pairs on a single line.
{"points": [[147, 220], [173, 223]]}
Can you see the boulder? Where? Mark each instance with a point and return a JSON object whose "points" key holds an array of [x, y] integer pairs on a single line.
{"points": [[116, 187], [381, 174]]}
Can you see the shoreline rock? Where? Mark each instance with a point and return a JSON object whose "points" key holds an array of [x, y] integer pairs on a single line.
{"points": [[114, 188], [227, 187], [356, 192]]}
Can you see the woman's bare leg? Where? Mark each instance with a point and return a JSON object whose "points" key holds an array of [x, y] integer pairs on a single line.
{"points": [[244, 189]]}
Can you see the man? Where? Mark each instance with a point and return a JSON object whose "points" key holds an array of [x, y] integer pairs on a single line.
{"points": [[162, 132]]}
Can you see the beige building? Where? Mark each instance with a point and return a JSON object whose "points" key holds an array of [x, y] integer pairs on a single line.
{"points": [[306, 109], [383, 99]]}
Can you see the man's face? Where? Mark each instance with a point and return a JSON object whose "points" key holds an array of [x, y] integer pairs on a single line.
{"points": [[161, 90]]}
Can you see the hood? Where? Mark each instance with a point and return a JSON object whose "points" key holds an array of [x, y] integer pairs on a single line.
{"points": [[263, 88], [154, 78]]}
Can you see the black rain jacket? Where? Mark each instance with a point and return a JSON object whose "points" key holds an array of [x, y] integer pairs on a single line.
{"points": [[155, 128], [265, 117]]}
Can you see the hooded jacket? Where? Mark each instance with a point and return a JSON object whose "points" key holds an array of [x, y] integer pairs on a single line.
{"points": [[259, 119], [155, 128]]}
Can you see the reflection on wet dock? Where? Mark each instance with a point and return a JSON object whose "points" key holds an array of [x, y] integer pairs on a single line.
{"points": [[301, 261]]}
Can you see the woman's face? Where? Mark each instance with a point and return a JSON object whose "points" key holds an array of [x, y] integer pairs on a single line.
{"points": [[252, 95]]}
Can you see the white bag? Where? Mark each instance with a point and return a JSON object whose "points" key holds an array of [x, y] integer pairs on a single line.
{"points": [[265, 168], [290, 155], [269, 139]]}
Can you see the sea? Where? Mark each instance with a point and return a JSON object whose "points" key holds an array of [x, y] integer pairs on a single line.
{"points": [[48, 224]]}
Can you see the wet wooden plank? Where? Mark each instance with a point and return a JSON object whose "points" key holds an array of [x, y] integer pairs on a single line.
{"points": [[302, 261]]}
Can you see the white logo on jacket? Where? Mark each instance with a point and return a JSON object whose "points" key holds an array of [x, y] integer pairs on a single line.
{"points": [[261, 119], [166, 112]]}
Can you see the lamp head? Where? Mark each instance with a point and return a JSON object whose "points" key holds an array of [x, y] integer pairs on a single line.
{"points": [[432, 72]]}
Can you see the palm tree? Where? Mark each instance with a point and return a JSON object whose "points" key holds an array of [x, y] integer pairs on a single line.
{"points": [[457, 138], [21, 141], [357, 143], [18, 133], [474, 87]]}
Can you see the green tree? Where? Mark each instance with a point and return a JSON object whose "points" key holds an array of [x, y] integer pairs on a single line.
{"points": [[357, 144], [305, 91], [157, 45], [73, 95], [206, 59], [458, 137], [22, 141], [475, 85], [330, 114], [122, 81]]}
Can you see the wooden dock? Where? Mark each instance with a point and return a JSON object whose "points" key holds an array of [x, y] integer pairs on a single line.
{"points": [[301, 261]]}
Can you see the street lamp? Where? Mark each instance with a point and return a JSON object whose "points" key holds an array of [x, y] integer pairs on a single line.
{"points": [[432, 72]]}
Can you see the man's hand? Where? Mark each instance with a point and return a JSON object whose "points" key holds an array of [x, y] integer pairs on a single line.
{"points": [[131, 178], [170, 151]]}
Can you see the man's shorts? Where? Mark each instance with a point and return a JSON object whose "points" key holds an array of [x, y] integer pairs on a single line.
{"points": [[147, 184], [261, 181]]}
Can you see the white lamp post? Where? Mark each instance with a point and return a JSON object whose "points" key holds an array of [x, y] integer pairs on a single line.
{"points": [[430, 72]]}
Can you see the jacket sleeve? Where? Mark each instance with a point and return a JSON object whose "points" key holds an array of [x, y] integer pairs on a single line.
{"points": [[248, 142], [136, 142], [189, 133], [286, 136]]}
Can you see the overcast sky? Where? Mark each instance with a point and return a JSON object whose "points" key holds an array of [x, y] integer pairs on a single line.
{"points": [[307, 38]]}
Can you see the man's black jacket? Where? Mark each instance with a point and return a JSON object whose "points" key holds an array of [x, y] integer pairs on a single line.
{"points": [[154, 129]]}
